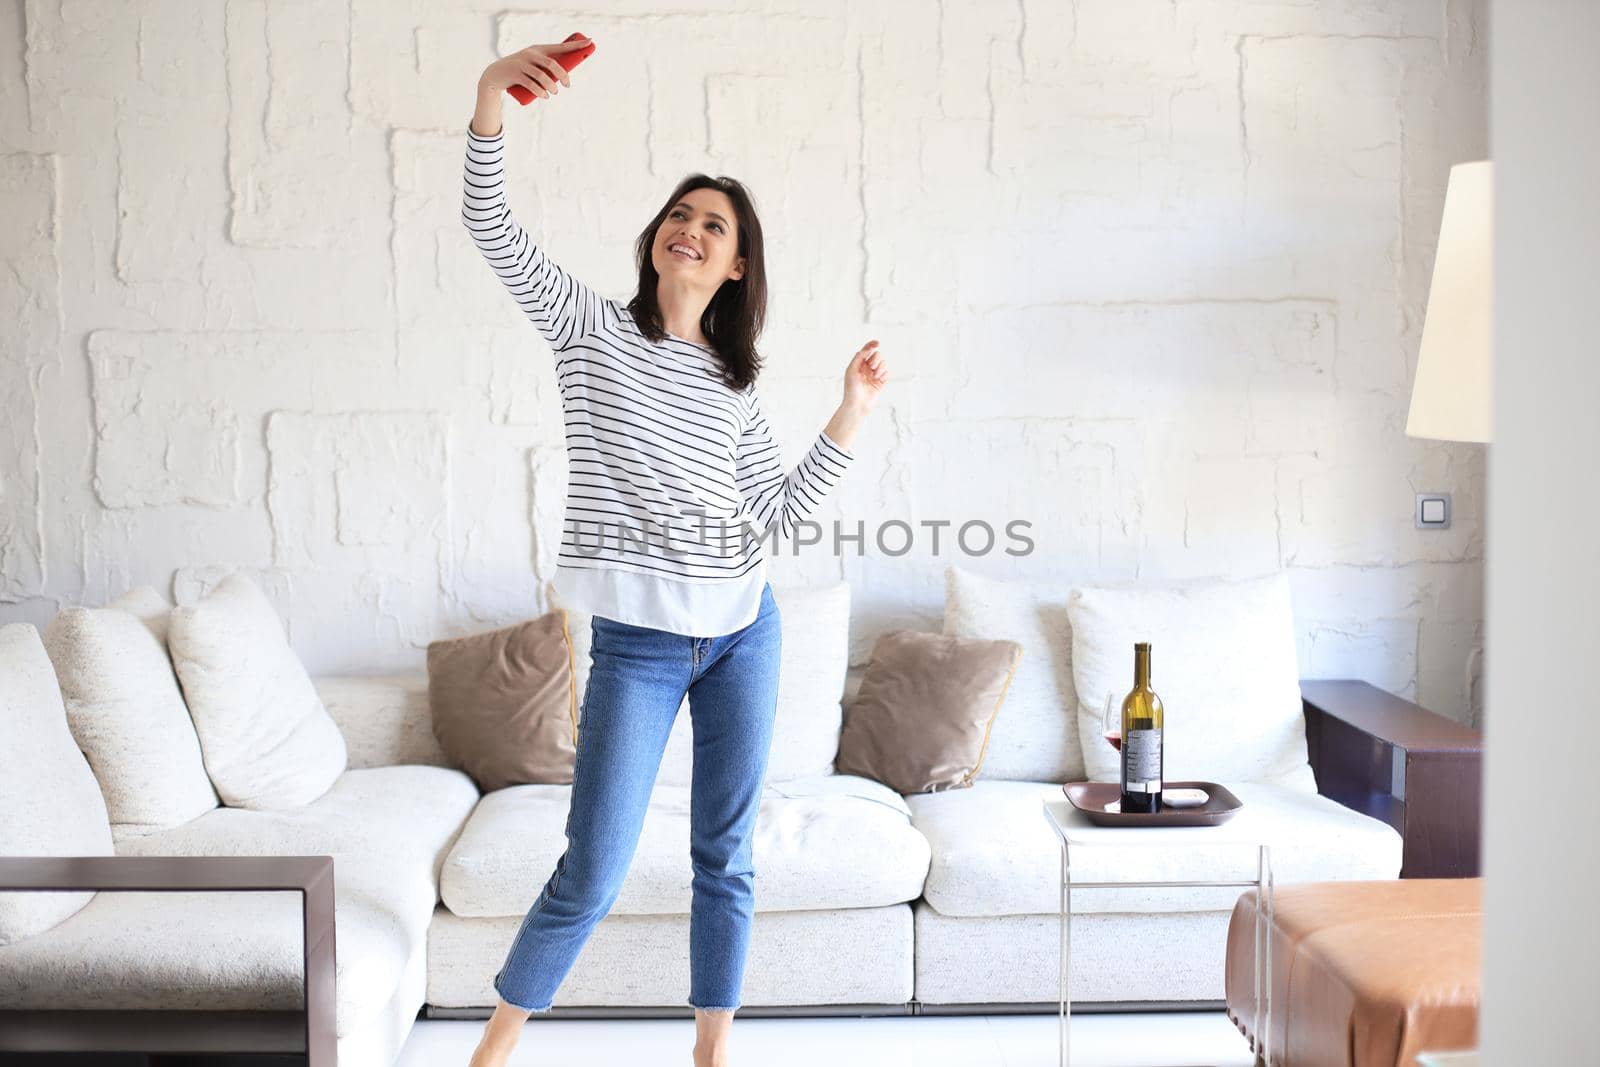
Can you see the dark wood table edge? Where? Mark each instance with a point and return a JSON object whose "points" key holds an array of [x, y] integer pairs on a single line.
{"points": [[85, 1030], [1381, 713], [1354, 731]]}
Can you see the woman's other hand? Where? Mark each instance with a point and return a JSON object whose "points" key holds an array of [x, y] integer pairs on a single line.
{"points": [[865, 378]]}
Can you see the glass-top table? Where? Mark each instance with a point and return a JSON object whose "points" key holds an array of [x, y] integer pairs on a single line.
{"points": [[1074, 829]]}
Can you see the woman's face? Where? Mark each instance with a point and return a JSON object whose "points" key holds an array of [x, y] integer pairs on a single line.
{"points": [[703, 221]]}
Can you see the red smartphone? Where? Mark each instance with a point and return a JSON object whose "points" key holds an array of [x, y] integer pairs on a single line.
{"points": [[568, 60]]}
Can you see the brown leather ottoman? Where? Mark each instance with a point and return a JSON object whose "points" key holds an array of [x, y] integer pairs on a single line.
{"points": [[1364, 974]]}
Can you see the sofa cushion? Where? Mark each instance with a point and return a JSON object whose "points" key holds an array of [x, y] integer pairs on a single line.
{"points": [[833, 841], [1036, 736], [399, 812], [1223, 663], [127, 714], [1120, 957], [926, 708], [811, 676], [642, 961], [50, 803], [388, 829], [268, 741], [995, 853], [503, 702]]}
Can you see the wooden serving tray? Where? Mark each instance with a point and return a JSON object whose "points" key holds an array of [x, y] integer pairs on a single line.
{"points": [[1091, 798]]}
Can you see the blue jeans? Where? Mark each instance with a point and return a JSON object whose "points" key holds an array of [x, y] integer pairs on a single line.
{"points": [[637, 682]]}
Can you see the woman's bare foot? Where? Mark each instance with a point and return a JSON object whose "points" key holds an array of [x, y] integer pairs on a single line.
{"points": [[703, 1058], [487, 1055], [711, 1029], [499, 1036]]}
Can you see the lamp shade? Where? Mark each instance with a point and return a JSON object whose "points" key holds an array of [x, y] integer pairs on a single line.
{"points": [[1450, 396]]}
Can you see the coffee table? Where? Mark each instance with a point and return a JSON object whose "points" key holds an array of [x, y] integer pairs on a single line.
{"points": [[1073, 828]]}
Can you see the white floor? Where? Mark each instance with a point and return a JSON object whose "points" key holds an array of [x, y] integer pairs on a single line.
{"points": [[1175, 1039]]}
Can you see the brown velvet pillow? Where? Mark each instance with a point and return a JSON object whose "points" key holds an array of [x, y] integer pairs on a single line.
{"points": [[504, 706], [921, 719]]}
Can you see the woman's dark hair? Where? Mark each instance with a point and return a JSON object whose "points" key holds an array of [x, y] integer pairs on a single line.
{"points": [[736, 313]]}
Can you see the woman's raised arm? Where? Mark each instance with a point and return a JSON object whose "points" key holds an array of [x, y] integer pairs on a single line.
{"points": [[562, 308], [771, 491]]}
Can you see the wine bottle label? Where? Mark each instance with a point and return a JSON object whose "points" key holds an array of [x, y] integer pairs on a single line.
{"points": [[1141, 756]]}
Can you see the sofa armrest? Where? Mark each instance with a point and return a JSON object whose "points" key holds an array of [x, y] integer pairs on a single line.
{"points": [[94, 1031], [1416, 770]]}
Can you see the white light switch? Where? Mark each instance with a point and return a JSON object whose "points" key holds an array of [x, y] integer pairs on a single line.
{"points": [[1433, 511]]}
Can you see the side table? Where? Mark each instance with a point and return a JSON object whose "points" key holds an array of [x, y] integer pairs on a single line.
{"points": [[1072, 827]]}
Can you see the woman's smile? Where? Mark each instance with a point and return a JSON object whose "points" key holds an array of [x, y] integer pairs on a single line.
{"points": [[677, 250]]}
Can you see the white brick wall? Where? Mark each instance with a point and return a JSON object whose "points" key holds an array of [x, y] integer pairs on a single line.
{"points": [[1149, 275]]}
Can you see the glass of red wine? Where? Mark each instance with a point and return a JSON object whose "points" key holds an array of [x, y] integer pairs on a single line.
{"points": [[1111, 720]]}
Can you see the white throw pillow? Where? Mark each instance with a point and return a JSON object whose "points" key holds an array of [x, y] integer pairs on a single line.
{"points": [[812, 665], [1035, 736], [1223, 662], [268, 741], [151, 608], [811, 671], [128, 716], [50, 803]]}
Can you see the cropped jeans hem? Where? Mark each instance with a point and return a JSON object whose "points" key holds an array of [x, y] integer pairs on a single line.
{"points": [[531, 1011]]}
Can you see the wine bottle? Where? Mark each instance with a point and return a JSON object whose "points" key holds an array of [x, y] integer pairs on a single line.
{"points": [[1142, 756]]}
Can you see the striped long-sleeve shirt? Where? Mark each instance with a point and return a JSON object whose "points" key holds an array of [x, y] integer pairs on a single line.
{"points": [[673, 478]]}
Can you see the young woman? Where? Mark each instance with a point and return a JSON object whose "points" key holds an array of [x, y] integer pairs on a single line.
{"points": [[674, 484]]}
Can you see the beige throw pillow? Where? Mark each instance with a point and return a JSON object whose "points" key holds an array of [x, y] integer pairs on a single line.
{"points": [[504, 706], [921, 719]]}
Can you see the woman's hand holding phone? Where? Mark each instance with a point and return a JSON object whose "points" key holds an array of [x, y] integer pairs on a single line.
{"points": [[539, 70]]}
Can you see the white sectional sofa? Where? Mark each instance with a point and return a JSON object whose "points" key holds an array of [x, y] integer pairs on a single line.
{"points": [[867, 900]]}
